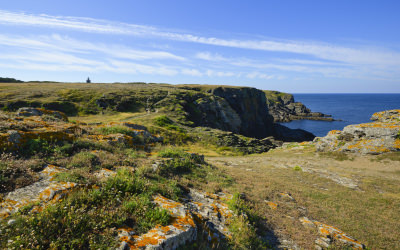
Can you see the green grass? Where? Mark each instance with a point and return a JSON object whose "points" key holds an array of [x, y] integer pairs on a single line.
{"points": [[166, 122], [172, 152]]}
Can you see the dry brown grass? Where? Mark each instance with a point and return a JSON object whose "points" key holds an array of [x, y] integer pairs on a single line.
{"points": [[370, 213]]}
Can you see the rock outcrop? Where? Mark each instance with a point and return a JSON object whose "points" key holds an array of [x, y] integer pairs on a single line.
{"points": [[28, 111], [284, 109], [45, 191], [329, 234], [380, 136], [201, 213]]}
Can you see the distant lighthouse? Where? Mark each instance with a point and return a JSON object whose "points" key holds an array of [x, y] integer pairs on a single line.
{"points": [[88, 80]]}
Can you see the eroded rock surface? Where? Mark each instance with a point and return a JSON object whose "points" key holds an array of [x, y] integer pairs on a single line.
{"points": [[380, 136]]}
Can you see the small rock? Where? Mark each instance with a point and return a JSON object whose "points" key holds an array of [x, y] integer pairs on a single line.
{"points": [[11, 222], [286, 196]]}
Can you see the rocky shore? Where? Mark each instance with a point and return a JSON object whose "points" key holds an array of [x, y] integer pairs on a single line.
{"points": [[377, 137], [284, 109]]}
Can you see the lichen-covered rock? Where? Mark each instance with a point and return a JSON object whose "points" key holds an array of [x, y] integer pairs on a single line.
{"points": [[44, 191], [377, 137], [28, 111], [387, 116], [212, 212], [329, 234], [181, 231], [16, 133], [201, 213]]}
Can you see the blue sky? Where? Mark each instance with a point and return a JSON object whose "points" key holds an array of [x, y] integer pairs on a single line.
{"points": [[293, 46]]}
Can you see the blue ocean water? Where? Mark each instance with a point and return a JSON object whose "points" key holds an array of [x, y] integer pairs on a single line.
{"points": [[350, 108]]}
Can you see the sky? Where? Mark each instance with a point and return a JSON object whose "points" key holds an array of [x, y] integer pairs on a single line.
{"points": [[294, 46]]}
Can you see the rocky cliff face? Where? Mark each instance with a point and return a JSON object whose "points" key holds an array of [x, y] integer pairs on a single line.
{"points": [[380, 136], [284, 109], [241, 110], [250, 105]]}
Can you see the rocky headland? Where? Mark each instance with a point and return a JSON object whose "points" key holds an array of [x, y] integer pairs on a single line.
{"points": [[283, 108]]}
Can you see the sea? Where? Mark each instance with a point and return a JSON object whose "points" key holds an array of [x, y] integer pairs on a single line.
{"points": [[345, 108]]}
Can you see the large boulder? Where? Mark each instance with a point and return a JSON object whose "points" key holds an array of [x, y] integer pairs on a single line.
{"points": [[380, 136]]}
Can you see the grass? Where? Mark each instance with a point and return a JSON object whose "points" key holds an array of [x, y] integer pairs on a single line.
{"points": [[164, 121], [394, 156], [339, 156], [326, 201]]}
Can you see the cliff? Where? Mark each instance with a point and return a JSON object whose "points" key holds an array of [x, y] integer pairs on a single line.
{"points": [[284, 109], [380, 136]]}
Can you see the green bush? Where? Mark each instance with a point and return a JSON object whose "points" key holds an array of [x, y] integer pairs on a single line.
{"points": [[177, 166], [37, 146], [297, 168]]}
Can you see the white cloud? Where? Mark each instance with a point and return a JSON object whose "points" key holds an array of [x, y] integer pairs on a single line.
{"points": [[362, 56], [191, 72], [210, 57], [259, 75], [214, 73]]}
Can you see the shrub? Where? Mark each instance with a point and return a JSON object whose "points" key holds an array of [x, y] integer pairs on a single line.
{"points": [[297, 168], [37, 146], [177, 166]]}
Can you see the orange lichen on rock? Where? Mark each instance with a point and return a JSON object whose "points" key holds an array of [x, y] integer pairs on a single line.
{"points": [[181, 230], [328, 233], [334, 132], [41, 193], [272, 205]]}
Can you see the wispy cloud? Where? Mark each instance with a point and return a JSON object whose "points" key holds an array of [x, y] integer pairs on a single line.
{"points": [[359, 55], [63, 43]]}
